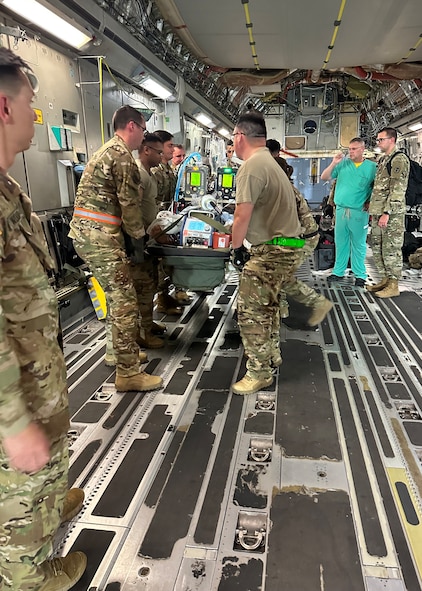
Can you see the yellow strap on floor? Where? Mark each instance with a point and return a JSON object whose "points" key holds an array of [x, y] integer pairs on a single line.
{"points": [[97, 296]]}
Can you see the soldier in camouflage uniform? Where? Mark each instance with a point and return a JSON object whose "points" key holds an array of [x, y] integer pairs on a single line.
{"points": [[163, 173], [34, 415], [145, 274], [388, 208], [166, 179], [266, 215], [106, 227], [294, 288]]}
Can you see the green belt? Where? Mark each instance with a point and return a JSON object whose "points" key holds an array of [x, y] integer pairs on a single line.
{"points": [[283, 241]]}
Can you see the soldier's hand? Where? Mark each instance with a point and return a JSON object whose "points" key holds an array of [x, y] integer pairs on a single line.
{"points": [[240, 256], [29, 450], [137, 254]]}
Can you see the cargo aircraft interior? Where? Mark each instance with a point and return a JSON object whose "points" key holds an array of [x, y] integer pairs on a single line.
{"points": [[315, 482]]}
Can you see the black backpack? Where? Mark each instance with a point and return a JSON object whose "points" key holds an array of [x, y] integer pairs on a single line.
{"points": [[414, 185]]}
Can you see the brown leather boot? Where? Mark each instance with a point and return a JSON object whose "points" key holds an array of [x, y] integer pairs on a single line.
{"points": [[319, 312], [391, 290], [377, 286], [182, 297], [140, 382], [73, 503], [249, 385], [150, 341], [158, 327], [64, 572], [168, 305]]}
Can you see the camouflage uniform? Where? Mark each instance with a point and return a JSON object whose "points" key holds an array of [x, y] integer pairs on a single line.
{"points": [[166, 179], [145, 274], [261, 182], [389, 195], [107, 201], [32, 389], [296, 289], [261, 283]]}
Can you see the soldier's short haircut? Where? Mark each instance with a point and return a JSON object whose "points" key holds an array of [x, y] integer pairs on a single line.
{"points": [[273, 146], [229, 143], [164, 135], [252, 124], [357, 140], [124, 115], [390, 132], [12, 67], [151, 138]]}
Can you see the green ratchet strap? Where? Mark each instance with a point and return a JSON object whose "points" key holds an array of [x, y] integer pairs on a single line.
{"points": [[283, 241]]}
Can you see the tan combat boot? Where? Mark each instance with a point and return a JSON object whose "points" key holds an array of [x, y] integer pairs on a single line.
{"points": [[73, 503], [158, 327], [150, 341], [182, 297], [166, 304], [62, 573], [319, 312], [248, 385], [377, 286], [140, 382], [391, 290], [111, 361]]}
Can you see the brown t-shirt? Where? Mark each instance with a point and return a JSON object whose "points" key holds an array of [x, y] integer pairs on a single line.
{"points": [[261, 181]]}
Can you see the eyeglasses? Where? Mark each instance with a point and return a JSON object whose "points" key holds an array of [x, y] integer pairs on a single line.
{"points": [[140, 126], [238, 133], [381, 139], [156, 150]]}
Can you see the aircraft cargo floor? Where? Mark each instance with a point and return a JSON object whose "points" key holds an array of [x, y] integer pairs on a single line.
{"points": [[312, 484]]}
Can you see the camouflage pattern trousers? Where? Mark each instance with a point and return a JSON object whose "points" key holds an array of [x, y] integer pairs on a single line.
{"points": [[30, 509], [297, 289], [258, 306], [111, 267], [145, 280], [386, 245]]}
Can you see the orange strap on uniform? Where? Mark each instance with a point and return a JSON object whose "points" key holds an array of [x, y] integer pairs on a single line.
{"points": [[97, 216]]}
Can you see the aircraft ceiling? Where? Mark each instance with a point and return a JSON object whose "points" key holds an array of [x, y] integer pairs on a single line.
{"points": [[297, 34], [262, 42]]}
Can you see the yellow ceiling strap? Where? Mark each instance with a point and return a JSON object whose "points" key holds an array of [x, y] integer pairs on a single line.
{"points": [[412, 49], [337, 24], [249, 26]]}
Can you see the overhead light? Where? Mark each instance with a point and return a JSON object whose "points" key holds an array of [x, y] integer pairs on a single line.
{"points": [[223, 131], [155, 88], [38, 13], [415, 126], [204, 119]]}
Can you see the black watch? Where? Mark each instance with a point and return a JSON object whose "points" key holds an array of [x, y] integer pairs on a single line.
{"points": [[387, 212]]}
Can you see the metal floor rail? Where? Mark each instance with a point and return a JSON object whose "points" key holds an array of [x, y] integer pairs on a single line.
{"points": [[313, 483]]}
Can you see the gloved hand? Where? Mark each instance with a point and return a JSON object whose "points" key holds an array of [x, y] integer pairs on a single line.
{"points": [[239, 257], [137, 255], [134, 248]]}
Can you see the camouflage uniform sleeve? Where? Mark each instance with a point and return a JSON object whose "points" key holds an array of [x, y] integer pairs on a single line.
{"points": [[127, 185], [159, 177], [13, 413], [399, 177], [307, 220]]}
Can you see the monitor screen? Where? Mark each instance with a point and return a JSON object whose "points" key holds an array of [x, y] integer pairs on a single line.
{"points": [[227, 181], [196, 225], [195, 179]]}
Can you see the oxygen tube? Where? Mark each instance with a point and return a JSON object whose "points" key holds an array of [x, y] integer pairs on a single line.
{"points": [[182, 171]]}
